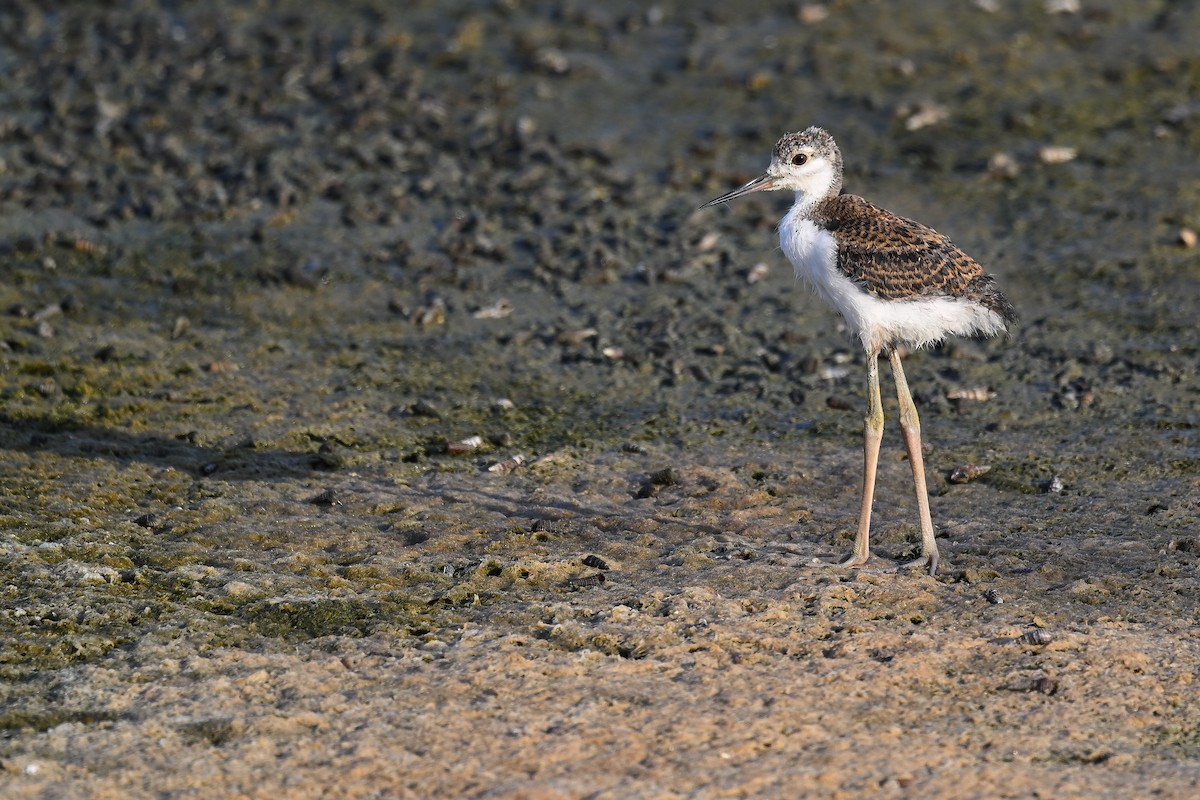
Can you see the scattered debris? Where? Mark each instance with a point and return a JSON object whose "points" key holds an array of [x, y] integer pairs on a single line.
{"points": [[576, 336], [925, 114], [1002, 166], [812, 13], [978, 394], [497, 310], [326, 498], [507, 465], [584, 581], [221, 366], [1037, 636], [1056, 154], [467, 445], [968, 472], [595, 561]]}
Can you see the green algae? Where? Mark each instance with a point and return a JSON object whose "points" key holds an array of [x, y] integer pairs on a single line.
{"points": [[16, 719]]}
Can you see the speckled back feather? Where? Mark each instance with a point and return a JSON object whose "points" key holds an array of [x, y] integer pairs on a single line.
{"points": [[895, 258]]}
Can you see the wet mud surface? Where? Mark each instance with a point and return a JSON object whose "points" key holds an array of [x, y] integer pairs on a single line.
{"points": [[381, 418]]}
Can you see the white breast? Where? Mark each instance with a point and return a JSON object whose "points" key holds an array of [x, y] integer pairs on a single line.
{"points": [[915, 323]]}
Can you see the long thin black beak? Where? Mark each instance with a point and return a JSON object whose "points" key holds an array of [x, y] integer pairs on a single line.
{"points": [[762, 183]]}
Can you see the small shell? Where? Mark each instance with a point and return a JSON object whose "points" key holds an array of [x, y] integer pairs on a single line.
{"points": [[832, 373], [977, 394], [497, 310], [1037, 636], [552, 60], [326, 498], [993, 597], [432, 314], [1061, 6], [577, 336], [613, 353], [468, 445], [812, 13], [1002, 166], [77, 243], [595, 561], [968, 472], [584, 581], [1187, 237], [758, 272], [50, 311], [923, 115], [507, 465], [87, 246], [1056, 154]]}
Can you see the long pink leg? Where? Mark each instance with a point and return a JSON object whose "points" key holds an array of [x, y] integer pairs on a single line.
{"points": [[872, 436], [910, 426]]}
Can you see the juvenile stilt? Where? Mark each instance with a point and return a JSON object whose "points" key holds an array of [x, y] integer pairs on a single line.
{"points": [[896, 283]]}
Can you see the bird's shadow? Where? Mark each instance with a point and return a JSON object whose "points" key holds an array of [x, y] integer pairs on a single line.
{"points": [[244, 461]]}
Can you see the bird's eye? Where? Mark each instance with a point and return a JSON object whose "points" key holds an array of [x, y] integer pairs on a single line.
{"points": [[799, 159]]}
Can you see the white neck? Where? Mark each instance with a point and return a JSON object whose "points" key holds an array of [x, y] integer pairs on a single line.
{"points": [[804, 202], [813, 187]]}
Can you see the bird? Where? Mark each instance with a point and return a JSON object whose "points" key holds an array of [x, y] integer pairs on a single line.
{"points": [[899, 285]]}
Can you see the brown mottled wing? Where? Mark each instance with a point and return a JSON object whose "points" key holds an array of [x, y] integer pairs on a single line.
{"points": [[892, 257]]}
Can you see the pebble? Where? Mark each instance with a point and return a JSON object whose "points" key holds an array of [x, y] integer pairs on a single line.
{"points": [[812, 13], [1002, 166], [757, 273]]}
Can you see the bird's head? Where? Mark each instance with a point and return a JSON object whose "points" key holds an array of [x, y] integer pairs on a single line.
{"points": [[807, 162]]}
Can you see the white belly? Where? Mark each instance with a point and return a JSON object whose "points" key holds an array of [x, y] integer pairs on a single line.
{"points": [[914, 323]]}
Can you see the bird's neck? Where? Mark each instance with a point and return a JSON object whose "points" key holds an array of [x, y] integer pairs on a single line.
{"points": [[816, 188], [805, 203]]}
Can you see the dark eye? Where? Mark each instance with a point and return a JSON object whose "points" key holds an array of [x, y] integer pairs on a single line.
{"points": [[799, 159]]}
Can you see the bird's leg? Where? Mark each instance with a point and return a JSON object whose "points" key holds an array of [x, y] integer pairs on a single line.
{"points": [[872, 436], [910, 426]]}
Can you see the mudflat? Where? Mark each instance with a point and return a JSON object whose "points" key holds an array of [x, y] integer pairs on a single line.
{"points": [[381, 417]]}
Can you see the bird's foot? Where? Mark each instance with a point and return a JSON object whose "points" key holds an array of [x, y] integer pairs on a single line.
{"points": [[853, 561], [926, 563]]}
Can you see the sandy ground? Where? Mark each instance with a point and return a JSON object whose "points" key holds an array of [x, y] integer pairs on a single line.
{"points": [[381, 418]]}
